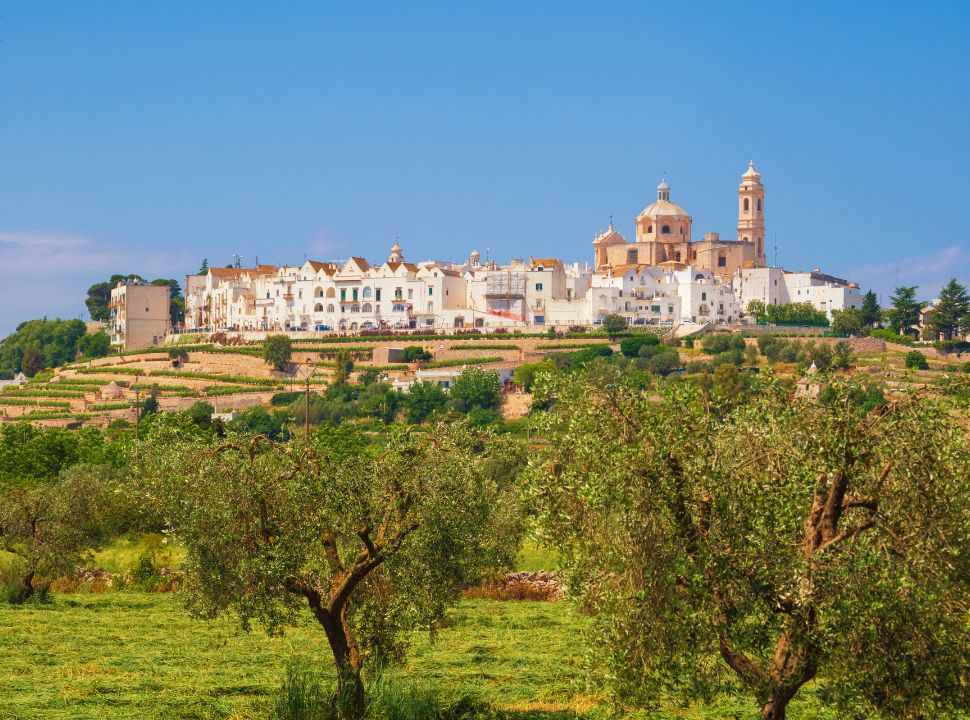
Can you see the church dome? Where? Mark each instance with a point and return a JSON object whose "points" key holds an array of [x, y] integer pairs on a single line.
{"points": [[663, 208]]}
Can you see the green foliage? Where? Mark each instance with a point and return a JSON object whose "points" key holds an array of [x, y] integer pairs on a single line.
{"points": [[374, 544], [847, 323], [525, 374], [915, 360], [630, 347], [277, 351], [379, 401], [415, 353], [581, 358], [258, 421], [178, 354], [148, 406], [663, 361], [951, 313], [791, 314], [285, 398], [200, 413], [31, 455], [458, 362], [422, 400], [841, 356], [51, 528], [475, 388], [42, 344], [714, 343], [91, 346], [344, 366], [763, 547], [869, 312], [614, 325], [904, 310], [891, 336]]}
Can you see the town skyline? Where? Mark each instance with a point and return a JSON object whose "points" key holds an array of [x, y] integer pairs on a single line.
{"points": [[329, 132]]}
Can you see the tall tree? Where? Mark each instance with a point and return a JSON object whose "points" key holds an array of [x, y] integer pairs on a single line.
{"points": [[277, 351], [904, 309], [99, 295], [869, 313], [950, 312], [373, 544], [789, 540], [204, 268]]}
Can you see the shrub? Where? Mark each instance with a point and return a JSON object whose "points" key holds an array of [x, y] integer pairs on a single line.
{"points": [[721, 342], [285, 398], [630, 346], [664, 362], [915, 360], [890, 336], [415, 353], [698, 366]]}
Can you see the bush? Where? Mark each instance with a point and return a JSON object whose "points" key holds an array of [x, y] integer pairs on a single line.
{"points": [[728, 357], [915, 360], [664, 361], [630, 346], [721, 342], [890, 336], [285, 398], [698, 366], [415, 353]]}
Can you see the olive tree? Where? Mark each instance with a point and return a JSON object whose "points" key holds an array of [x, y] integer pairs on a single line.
{"points": [[371, 543], [277, 351], [52, 528], [782, 543]]}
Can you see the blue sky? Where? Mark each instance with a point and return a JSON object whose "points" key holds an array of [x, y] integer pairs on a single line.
{"points": [[141, 137]]}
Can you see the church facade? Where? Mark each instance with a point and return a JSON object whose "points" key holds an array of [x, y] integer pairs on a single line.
{"points": [[664, 239]]}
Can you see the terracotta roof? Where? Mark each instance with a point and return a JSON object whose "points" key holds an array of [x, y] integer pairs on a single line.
{"points": [[535, 262], [229, 272], [393, 265], [411, 266], [360, 262]]}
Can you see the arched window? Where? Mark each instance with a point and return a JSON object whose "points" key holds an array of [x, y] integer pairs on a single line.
{"points": [[746, 238], [665, 230], [649, 228], [759, 204], [329, 308], [366, 307], [355, 308], [318, 292], [367, 292], [331, 293], [318, 308], [746, 205]]}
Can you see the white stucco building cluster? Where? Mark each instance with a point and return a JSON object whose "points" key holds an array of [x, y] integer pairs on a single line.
{"points": [[662, 277]]}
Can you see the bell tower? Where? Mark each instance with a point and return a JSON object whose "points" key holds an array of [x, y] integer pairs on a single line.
{"points": [[751, 211]]}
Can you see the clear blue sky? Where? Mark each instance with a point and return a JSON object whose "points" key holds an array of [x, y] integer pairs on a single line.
{"points": [[141, 137]]}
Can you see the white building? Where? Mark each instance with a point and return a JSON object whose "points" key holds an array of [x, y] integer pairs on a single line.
{"points": [[775, 286]]}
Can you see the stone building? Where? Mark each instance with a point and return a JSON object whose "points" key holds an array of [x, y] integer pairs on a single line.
{"points": [[664, 236], [139, 315]]}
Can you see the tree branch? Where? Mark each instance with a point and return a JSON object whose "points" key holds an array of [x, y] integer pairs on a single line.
{"points": [[847, 533]]}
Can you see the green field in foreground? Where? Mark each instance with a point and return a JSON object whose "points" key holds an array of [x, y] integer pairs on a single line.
{"points": [[137, 655]]}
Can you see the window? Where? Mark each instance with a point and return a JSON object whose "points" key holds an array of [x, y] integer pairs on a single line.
{"points": [[343, 294], [397, 293], [703, 296], [759, 204], [355, 308], [631, 257], [665, 230], [377, 294], [721, 260], [655, 308], [677, 256], [410, 293], [398, 307], [331, 293], [430, 306], [367, 292], [318, 308], [355, 294], [746, 205], [366, 307], [299, 294], [430, 291], [538, 287], [318, 292], [649, 228], [329, 308]]}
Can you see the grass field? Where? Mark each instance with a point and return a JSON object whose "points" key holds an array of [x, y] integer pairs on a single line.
{"points": [[137, 655]]}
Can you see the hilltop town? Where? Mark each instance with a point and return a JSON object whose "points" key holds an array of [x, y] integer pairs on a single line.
{"points": [[662, 277]]}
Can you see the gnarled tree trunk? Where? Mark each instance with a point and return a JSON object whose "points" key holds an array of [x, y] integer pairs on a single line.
{"points": [[26, 587]]}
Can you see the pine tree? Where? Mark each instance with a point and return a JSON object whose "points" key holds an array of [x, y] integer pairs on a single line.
{"points": [[904, 310], [204, 270], [950, 311], [869, 312]]}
